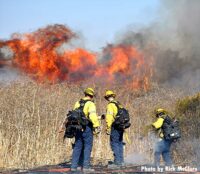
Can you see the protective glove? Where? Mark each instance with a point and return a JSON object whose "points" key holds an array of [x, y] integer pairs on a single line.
{"points": [[108, 131], [96, 130]]}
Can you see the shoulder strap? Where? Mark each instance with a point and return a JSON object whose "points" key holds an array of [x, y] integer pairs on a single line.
{"points": [[166, 117], [163, 116], [117, 104], [83, 102]]}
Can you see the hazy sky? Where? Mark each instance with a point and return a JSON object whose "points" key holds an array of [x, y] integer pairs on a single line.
{"points": [[99, 21]]}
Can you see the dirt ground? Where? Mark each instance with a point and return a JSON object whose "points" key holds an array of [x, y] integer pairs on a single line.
{"points": [[104, 169]]}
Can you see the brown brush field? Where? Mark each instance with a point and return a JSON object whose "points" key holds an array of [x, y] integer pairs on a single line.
{"points": [[31, 114]]}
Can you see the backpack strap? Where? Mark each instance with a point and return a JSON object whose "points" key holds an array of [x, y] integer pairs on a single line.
{"points": [[83, 102], [163, 116], [117, 104], [167, 119]]}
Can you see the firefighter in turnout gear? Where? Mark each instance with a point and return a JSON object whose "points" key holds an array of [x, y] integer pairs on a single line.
{"points": [[84, 138], [162, 146], [116, 136]]}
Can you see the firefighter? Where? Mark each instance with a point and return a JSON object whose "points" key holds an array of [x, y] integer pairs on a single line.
{"points": [[84, 138], [116, 136], [162, 146]]}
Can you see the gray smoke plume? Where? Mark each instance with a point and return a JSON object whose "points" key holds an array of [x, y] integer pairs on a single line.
{"points": [[180, 62], [173, 42], [7, 74], [5, 53]]}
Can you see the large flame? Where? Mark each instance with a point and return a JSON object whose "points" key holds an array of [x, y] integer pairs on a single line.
{"points": [[37, 55], [126, 64]]}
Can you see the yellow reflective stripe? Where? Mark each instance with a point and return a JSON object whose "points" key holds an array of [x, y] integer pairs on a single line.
{"points": [[110, 113]]}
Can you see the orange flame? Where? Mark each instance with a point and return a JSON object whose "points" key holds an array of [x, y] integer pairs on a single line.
{"points": [[36, 54], [126, 64]]}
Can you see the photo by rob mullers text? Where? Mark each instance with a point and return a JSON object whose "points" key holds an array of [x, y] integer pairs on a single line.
{"points": [[168, 169]]}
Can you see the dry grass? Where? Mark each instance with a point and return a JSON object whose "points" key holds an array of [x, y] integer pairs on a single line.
{"points": [[31, 114]]}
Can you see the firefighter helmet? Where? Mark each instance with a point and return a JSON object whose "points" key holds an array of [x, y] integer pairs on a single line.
{"points": [[160, 111], [109, 93], [89, 91]]}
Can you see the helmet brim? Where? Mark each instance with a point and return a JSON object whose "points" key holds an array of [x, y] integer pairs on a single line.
{"points": [[90, 94], [107, 96]]}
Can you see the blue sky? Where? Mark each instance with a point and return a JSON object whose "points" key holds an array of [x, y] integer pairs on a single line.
{"points": [[99, 21]]}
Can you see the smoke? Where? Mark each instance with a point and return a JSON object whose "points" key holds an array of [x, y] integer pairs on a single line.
{"points": [[5, 53], [136, 158], [196, 147], [173, 42], [7, 74], [179, 63]]}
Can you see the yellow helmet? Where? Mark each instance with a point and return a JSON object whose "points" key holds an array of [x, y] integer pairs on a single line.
{"points": [[109, 93], [89, 91], [159, 111]]}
